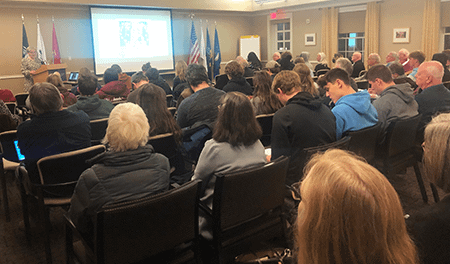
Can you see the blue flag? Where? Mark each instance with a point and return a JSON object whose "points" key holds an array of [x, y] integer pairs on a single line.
{"points": [[217, 56], [24, 41], [208, 53]]}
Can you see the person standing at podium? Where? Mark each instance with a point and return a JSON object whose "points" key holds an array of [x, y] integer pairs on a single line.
{"points": [[30, 63]]}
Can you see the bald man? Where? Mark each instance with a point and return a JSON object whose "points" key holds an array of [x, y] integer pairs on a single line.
{"points": [[435, 97], [358, 65]]}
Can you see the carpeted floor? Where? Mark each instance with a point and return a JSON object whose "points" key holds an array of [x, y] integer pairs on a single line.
{"points": [[14, 248]]}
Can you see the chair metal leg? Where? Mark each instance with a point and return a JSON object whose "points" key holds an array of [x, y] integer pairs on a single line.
{"points": [[26, 219], [5, 194], [423, 191], [435, 192], [45, 224]]}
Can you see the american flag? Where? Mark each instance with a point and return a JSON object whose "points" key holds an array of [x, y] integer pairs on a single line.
{"points": [[194, 51]]}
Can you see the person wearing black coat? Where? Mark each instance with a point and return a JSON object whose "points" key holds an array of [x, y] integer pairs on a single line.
{"points": [[303, 122], [154, 77], [237, 82]]}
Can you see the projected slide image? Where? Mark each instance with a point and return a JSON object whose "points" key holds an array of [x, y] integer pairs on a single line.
{"points": [[133, 34]]}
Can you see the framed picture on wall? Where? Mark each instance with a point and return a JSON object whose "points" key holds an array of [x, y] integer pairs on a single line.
{"points": [[310, 39], [401, 35]]}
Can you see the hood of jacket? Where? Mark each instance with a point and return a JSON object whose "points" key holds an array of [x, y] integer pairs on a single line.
{"points": [[124, 158], [89, 103], [115, 88], [306, 99], [403, 91], [359, 101]]}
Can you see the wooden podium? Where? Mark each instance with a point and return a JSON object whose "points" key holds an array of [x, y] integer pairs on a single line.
{"points": [[44, 71]]}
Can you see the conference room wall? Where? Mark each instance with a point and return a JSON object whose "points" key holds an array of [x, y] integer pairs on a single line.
{"points": [[74, 35]]}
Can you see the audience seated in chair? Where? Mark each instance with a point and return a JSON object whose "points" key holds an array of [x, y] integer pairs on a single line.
{"points": [[201, 106], [154, 77], [237, 82], [399, 76], [113, 88], [289, 136], [235, 145], [395, 101], [323, 63], [353, 110], [430, 227], [123, 77], [350, 213], [248, 72], [4, 110], [129, 170], [89, 102], [264, 100], [84, 73], [7, 96], [53, 130], [180, 75]]}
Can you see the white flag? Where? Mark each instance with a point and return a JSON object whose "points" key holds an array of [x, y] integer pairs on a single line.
{"points": [[40, 46], [203, 48]]}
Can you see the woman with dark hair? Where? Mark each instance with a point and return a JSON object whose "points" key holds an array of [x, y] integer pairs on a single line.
{"points": [[69, 98], [264, 100], [254, 61], [235, 145], [237, 82], [152, 99], [113, 88], [285, 61]]}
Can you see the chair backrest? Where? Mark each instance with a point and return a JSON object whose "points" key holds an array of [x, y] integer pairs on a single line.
{"points": [[172, 110], [11, 106], [364, 142], [59, 173], [21, 98], [169, 100], [342, 143], [133, 231], [322, 72], [221, 81], [164, 144], [249, 80], [98, 129], [401, 135], [243, 195], [265, 121], [363, 85], [361, 73], [9, 151]]}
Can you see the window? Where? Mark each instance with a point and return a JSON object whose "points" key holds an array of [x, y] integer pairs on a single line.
{"points": [[349, 43], [447, 38], [283, 42]]}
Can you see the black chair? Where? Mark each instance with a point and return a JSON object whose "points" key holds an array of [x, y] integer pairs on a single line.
{"points": [[364, 142], [169, 100], [249, 80], [265, 121], [363, 85], [246, 208], [397, 153], [162, 228], [221, 81], [172, 110], [322, 72], [11, 107], [342, 143], [362, 73], [58, 176], [10, 161], [98, 130], [21, 105]]}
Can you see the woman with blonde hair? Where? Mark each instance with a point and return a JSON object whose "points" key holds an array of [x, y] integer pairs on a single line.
{"points": [[323, 63], [350, 213], [69, 98], [305, 78], [180, 73], [430, 227]]}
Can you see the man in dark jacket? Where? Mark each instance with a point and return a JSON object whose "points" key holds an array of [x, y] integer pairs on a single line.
{"points": [[304, 122], [89, 102], [358, 65], [154, 77]]}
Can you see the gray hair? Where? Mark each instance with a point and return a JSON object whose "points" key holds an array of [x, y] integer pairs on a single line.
{"points": [[345, 64], [305, 55], [44, 98]]}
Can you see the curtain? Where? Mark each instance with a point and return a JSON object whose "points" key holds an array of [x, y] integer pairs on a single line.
{"points": [[372, 30], [430, 28], [329, 43]]}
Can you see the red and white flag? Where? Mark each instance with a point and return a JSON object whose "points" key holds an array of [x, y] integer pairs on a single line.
{"points": [[194, 51], [55, 47]]}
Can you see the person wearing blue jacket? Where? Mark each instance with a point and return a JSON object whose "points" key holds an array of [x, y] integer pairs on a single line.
{"points": [[353, 110]]}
